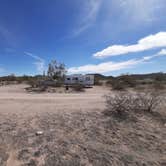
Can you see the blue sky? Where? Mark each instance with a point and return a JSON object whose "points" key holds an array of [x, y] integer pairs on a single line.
{"points": [[110, 37]]}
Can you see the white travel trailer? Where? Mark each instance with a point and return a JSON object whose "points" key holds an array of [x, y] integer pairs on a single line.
{"points": [[87, 80]]}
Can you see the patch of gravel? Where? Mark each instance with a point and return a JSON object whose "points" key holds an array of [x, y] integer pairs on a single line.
{"points": [[82, 139]]}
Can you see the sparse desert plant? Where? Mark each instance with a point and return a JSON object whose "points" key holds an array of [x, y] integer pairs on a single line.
{"points": [[119, 103], [97, 82], [33, 83], [122, 82], [117, 84], [56, 70], [98, 79], [128, 80], [78, 87], [148, 101], [127, 102], [158, 85], [59, 84]]}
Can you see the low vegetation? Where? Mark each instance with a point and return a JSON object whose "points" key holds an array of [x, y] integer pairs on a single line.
{"points": [[142, 81], [78, 87], [121, 103]]}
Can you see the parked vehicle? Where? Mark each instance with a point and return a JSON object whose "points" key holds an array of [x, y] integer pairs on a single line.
{"points": [[86, 80]]}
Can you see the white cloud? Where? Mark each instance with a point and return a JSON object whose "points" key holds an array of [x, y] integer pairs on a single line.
{"points": [[162, 52], [104, 67], [34, 56], [88, 16], [39, 63], [141, 10], [110, 66], [150, 42]]}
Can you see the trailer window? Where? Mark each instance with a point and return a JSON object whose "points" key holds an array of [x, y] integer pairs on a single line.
{"points": [[87, 78], [75, 78]]}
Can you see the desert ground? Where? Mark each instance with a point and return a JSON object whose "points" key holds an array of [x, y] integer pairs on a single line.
{"points": [[57, 129]]}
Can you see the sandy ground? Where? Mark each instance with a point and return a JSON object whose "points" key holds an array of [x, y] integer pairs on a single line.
{"points": [[14, 99], [75, 132]]}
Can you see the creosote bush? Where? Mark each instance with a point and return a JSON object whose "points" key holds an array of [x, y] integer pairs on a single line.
{"points": [[33, 83], [127, 102], [159, 85], [122, 82], [117, 85], [119, 103], [148, 102]]}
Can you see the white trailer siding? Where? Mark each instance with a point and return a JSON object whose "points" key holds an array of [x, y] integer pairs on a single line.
{"points": [[81, 79]]}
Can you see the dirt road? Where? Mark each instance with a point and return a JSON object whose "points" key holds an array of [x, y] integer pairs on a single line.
{"points": [[14, 99]]}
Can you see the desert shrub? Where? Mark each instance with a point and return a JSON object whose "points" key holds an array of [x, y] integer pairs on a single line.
{"points": [[19, 81], [78, 87], [128, 80], [122, 82], [42, 88], [117, 84], [148, 102], [33, 83], [52, 84], [24, 79], [158, 85], [108, 82], [97, 81], [119, 103], [160, 77], [127, 102], [59, 84]]}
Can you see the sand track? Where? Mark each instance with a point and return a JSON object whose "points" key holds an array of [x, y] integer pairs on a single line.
{"points": [[14, 99]]}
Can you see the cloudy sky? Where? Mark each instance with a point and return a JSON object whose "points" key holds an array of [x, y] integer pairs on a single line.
{"points": [[110, 37]]}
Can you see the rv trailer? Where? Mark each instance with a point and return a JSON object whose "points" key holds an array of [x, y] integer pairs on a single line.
{"points": [[86, 80]]}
